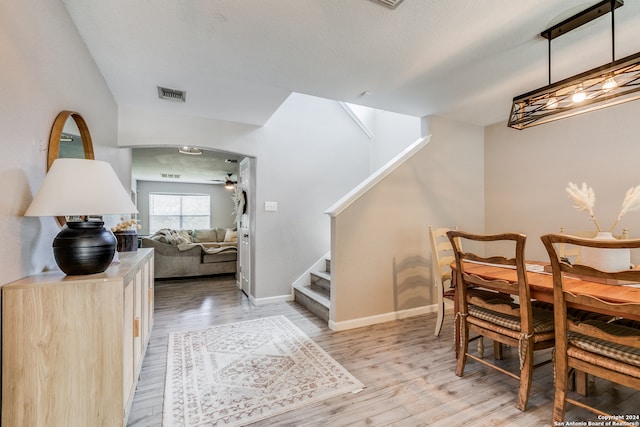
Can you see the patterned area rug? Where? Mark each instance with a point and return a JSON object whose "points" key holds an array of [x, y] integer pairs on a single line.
{"points": [[240, 373]]}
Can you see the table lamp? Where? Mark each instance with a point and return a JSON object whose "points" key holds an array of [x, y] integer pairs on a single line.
{"points": [[80, 190]]}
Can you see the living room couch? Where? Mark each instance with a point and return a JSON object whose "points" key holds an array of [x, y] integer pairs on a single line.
{"points": [[187, 253]]}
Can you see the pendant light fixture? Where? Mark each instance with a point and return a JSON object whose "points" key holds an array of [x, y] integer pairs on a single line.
{"points": [[228, 184], [610, 84], [194, 151]]}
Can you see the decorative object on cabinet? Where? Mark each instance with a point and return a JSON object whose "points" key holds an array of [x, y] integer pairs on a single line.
{"points": [[126, 232], [73, 346], [127, 240], [80, 189], [604, 86]]}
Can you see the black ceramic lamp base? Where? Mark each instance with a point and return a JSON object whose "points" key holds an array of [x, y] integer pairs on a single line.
{"points": [[84, 248]]}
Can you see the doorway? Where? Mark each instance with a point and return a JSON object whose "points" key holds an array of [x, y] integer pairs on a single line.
{"points": [[244, 228]]}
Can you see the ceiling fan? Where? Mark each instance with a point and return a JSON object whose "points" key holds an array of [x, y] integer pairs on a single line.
{"points": [[228, 182]]}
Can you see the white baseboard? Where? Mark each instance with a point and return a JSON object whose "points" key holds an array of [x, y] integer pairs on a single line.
{"points": [[381, 318], [270, 300]]}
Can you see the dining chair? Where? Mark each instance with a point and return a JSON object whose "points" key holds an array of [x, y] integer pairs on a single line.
{"points": [[517, 325], [572, 253], [605, 349], [441, 259]]}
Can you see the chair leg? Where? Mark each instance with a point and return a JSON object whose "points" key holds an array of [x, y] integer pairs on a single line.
{"points": [[497, 350], [440, 318], [440, 293], [464, 347], [562, 379], [526, 374], [559, 398], [456, 327], [581, 383]]}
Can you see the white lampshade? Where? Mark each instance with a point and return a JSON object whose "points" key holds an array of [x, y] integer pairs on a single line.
{"points": [[81, 187]]}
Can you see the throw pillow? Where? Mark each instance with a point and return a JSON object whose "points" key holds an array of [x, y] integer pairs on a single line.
{"points": [[204, 235], [220, 233], [231, 236], [185, 236]]}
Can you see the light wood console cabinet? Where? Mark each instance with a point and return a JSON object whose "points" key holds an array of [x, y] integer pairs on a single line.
{"points": [[72, 346]]}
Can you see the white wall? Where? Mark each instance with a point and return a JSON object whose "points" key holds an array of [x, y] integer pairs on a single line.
{"points": [[389, 133], [442, 186], [220, 200], [527, 172], [392, 133], [307, 156], [46, 68]]}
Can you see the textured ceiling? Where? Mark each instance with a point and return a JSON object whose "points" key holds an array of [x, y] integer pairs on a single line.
{"points": [[149, 164], [238, 60]]}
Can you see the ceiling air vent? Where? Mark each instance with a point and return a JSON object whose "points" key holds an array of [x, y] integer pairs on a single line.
{"points": [[391, 4], [170, 175], [172, 94]]}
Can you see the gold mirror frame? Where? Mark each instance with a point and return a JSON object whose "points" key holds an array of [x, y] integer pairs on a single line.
{"points": [[54, 141], [56, 133]]}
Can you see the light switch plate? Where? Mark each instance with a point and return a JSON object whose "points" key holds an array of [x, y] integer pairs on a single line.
{"points": [[271, 206]]}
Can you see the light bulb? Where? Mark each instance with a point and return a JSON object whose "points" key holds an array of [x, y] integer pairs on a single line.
{"points": [[552, 103], [609, 84], [579, 95]]}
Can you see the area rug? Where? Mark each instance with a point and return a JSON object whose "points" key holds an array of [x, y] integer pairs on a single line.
{"points": [[240, 373]]}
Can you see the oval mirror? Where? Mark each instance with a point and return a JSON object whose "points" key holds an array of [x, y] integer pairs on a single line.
{"points": [[70, 137]]}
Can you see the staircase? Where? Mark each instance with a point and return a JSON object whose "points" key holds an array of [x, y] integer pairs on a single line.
{"points": [[316, 295]]}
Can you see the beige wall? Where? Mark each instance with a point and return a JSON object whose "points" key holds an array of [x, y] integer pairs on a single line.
{"points": [[46, 68], [527, 172], [386, 229]]}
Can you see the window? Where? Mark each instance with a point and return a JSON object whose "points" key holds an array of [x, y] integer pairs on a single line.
{"points": [[179, 211]]}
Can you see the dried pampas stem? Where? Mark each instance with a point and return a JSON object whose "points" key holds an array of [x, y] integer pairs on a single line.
{"points": [[630, 203], [584, 199]]}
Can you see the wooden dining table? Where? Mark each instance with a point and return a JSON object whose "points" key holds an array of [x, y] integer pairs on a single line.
{"points": [[541, 289], [541, 284]]}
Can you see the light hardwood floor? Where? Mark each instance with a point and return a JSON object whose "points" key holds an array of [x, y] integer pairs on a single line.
{"points": [[408, 372]]}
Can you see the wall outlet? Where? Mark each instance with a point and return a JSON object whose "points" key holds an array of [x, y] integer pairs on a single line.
{"points": [[270, 206]]}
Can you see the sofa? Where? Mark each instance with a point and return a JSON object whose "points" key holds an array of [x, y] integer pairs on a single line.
{"points": [[188, 253]]}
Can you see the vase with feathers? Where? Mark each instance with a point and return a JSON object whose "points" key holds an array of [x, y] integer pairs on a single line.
{"points": [[584, 199]]}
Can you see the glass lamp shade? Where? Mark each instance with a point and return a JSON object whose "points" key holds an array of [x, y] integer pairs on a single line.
{"points": [[80, 187]]}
